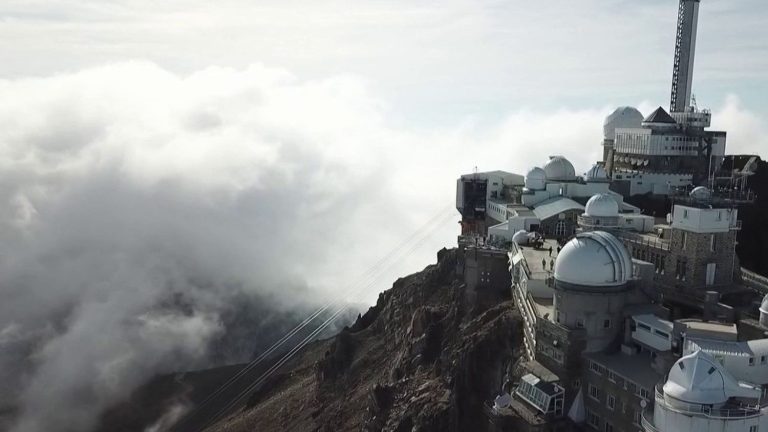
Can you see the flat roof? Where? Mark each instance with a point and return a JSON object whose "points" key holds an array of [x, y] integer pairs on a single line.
{"points": [[636, 368], [533, 257]]}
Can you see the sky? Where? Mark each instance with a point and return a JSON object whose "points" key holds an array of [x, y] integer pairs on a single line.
{"points": [[163, 164]]}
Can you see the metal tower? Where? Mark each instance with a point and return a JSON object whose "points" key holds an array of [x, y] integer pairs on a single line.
{"points": [[685, 45]]}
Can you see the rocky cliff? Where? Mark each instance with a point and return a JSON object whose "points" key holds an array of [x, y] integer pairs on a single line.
{"points": [[421, 359]]}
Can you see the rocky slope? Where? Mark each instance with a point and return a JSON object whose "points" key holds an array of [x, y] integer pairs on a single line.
{"points": [[422, 359]]}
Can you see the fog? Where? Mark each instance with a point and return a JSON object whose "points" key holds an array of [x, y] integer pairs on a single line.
{"points": [[155, 222]]}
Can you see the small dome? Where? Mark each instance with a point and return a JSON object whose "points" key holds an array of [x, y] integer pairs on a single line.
{"points": [[596, 174], [594, 259], [601, 205], [701, 193], [535, 179], [622, 117], [520, 237], [764, 305], [559, 168], [698, 378]]}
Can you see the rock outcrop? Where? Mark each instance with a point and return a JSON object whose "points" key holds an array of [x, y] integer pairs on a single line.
{"points": [[417, 361]]}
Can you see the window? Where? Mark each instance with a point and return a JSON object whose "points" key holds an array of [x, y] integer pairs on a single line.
{"points": [[685, 239], [763, 359], [751, 361], [596, 368], [645, 327], [576, 383], [636, 414], [593, 419], [608, 427], [753, 428], [643, 393], [611, 376], [594, 392], [610, 402], [712, 243], [607, 323], [685, 215], [661, 334], [579, 322]]}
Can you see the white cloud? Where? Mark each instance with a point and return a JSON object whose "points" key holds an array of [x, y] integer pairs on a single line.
{"points": [[140, 207]]}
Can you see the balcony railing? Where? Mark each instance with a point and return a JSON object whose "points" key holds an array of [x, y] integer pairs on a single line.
{"points": [[646, 421], [755, 281], [704, 410]]}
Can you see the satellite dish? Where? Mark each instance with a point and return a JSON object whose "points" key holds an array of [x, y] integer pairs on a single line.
{"points": [[643, 403]]}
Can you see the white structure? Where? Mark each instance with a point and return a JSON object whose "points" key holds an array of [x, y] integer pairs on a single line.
{"points": [[622, 117], [764, 311], [701, 395], [535, 179], [559, 168], [652, 331], [591, 275], [602, 205], [745, 360], [596, 174], [704, 220]]}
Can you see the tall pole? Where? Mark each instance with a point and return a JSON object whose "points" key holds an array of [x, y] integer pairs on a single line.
{"points": [[685, 47]]}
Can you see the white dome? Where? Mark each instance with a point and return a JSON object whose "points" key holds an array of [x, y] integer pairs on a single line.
{"points": [[601, 205], [535, 179], [594, 258], [701, 193], [622, 117], [698, 378], [520, 237], [596, 174], [559, 168], [764, 304]]}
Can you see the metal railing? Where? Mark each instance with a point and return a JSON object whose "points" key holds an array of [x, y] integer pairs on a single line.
{"points": [[705, 410], [648, 425], [755, 281], [642, 240]]}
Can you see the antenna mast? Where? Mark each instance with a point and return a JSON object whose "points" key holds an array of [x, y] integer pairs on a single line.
{"points": [[685, 46]]}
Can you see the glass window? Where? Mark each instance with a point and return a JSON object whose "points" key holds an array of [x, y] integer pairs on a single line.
{"points": [[593, 419], [610, 402], [594, 392]]}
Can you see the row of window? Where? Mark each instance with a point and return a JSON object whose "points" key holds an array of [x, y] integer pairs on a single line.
{"points": [[657, 332], [614, 377]]}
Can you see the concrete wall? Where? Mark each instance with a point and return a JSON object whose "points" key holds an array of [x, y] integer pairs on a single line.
{"points": [[592, 309], [703, 220]]}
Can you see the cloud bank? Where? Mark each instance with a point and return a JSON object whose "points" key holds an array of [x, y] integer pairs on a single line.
{"points": [[147, 216]]}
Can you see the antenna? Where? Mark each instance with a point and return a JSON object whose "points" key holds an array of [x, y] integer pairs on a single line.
{"points": [[685, 46]]}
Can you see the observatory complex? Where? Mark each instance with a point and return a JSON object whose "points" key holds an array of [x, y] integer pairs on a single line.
{"points": [[633, 321]]}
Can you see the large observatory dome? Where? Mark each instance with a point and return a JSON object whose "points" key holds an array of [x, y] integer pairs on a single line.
{"points": [[535, 179], [698, 378], [594, 259], [559, 168], [602, 205], [622, 117], [596, 174]]}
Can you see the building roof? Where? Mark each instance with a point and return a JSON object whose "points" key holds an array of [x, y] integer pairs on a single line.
{"points": [[554, 206], [659, 116], [594, 259], [636, 368], [653, 321]]}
